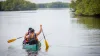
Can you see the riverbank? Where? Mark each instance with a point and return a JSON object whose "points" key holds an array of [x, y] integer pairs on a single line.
{"points": [[96, 15], [86, 7]]}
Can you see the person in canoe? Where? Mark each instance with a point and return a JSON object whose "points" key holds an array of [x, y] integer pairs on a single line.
{"points": [[32, 36]]}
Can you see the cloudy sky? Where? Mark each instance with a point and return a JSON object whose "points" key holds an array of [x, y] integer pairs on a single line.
{"points": [[46, 1]]}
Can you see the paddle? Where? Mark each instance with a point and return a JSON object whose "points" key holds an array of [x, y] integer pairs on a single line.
{"points": [[46, 43], [12, 40]]}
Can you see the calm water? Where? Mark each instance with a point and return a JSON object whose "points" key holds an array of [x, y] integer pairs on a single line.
{"points": [[67, 35]]}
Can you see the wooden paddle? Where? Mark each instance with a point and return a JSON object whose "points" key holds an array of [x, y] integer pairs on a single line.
{"points": [[46, 43], [12, 40]]}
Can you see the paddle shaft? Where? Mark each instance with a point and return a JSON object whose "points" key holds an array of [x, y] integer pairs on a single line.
{"points": [[43, 34], [46, 43], [19, 37]]}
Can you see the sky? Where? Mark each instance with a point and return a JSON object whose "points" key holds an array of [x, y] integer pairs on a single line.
{"points": [[45, 1]]}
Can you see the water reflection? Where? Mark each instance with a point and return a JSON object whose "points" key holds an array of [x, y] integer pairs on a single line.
{"points": [[89, 22], [30, 53]]}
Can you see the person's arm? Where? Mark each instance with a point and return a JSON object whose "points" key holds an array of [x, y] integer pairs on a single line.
{"points": [[39, 31], [26, 35]]}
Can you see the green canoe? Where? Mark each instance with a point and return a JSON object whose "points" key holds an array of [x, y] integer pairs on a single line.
{"points": [[34, 47]]}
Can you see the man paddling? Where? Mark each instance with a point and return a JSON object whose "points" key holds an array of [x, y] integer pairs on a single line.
{"points": [[32, 37]]}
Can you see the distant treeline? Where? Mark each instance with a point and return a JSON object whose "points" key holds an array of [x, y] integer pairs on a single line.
{"points": [[53, 5], [11, 5], [86, 7], [16, 5]]}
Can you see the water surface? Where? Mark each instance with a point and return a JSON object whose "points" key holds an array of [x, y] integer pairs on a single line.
{"points": [[66, 35]]}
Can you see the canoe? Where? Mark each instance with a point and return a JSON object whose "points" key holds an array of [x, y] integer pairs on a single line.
{"points": [[34, 47]]}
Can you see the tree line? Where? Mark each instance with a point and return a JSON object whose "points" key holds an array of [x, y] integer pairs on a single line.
{"points": [[10, 5], [16, 5], [86, 7], [53, 5]]}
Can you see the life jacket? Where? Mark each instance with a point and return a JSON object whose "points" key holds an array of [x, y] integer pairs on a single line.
{"points": [[34, 37], [33, 40], [27, 40]]}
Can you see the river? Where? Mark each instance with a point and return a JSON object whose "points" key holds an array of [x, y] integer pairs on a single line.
{"points": [[66, 34]]}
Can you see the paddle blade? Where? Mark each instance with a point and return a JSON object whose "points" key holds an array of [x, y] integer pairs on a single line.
{"points": [[47, 46], [11, 40]]}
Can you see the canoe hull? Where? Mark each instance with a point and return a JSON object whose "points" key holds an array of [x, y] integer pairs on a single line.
{"points": [[34, 47]]}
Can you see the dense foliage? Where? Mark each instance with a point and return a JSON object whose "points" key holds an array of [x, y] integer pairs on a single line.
{"points": [[53, 5], [16, 5], [86, 7], [10, 5]]}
